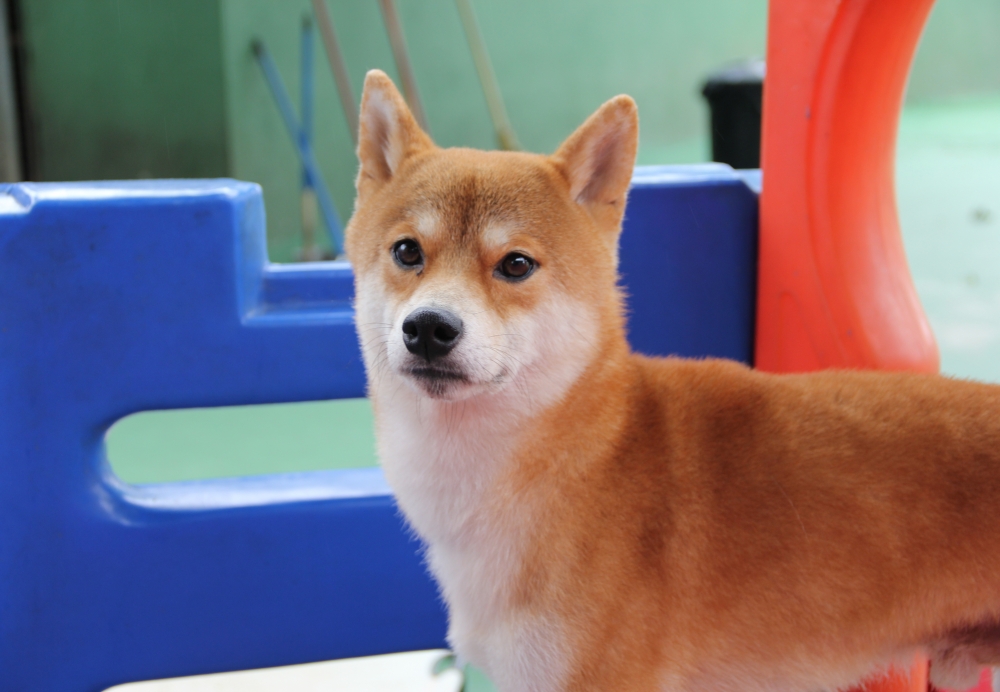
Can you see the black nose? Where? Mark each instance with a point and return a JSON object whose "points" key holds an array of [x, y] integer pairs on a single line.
{"points": [[431, 333]]}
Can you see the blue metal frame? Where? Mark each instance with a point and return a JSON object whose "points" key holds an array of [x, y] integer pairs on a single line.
{"points": [[301, 135], [123, 297], [307, 87]]}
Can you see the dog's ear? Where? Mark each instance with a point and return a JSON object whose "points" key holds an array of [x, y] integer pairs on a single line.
{"points": [[388, 134], [598, 159]]}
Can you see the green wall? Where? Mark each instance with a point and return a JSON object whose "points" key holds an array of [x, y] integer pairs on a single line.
{"points": [[124, 89], [161, 88], [555, 62]]}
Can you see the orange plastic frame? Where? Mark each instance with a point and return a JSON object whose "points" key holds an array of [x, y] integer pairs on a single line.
{"points": [[834, 286]]}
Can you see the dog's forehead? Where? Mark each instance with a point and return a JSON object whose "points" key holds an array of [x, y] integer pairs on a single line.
{"points": [[467, 195]]}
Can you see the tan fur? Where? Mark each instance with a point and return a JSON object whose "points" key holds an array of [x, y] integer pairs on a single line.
{"points": [[662, 523]]}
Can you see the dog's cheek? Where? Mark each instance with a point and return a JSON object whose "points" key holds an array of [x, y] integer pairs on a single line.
{"points": [[512, 300], [495, 356], [562, 338], [373, 318]]}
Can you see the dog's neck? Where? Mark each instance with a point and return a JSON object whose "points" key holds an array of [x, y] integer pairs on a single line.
{"points": [[447, 460], [440, 456], [459, 469]]}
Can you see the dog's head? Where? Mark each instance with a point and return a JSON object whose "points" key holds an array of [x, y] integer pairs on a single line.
{"points": [[478, 270]]}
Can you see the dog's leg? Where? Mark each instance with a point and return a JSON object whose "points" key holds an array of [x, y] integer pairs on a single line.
{"points": [[957, 659]]}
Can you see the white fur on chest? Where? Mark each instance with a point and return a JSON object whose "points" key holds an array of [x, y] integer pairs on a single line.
{"points": [[450, 464], [446, 464]]}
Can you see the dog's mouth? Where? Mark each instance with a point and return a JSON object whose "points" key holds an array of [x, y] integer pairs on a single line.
{"points": [[438, 382], [432, 373]]}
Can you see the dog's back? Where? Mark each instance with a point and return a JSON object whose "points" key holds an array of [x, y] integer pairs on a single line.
{"points": [[795, 526]]}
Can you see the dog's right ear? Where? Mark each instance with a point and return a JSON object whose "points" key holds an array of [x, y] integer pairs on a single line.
{"points": [[598, 159], [388, 134]]}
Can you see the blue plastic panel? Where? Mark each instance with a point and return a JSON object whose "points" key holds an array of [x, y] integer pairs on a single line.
{"points": [[122, 297], [689, 261]]}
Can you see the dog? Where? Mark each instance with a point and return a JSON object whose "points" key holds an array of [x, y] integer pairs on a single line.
{"points": [[601, 520]]}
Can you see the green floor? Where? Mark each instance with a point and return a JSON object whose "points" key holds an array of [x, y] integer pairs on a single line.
{"points": [[948, 186], [189, 444]]}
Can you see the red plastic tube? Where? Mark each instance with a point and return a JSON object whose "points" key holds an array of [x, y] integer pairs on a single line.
{"points": [[834, 287]]}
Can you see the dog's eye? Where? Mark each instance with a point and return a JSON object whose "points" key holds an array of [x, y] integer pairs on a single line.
{"points": [[516, 266], [407, 253]]}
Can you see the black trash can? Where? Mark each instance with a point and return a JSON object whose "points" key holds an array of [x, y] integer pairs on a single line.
{"points": [[735, 96]]}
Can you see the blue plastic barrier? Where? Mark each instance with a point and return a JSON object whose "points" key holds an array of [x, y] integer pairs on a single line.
{"points": [[688, 260], [122, 297]]}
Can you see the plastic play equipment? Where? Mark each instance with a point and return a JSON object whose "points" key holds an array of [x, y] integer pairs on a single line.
{"points": [[691, 233], [123, 297], [835, 289]]}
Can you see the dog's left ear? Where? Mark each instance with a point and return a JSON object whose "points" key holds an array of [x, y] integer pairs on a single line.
{"points": [[598, 159]]}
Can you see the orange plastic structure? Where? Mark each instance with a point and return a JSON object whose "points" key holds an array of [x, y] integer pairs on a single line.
{"points": [[834, 287], [915, 680]]}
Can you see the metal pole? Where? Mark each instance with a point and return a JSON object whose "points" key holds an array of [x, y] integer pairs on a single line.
{"points": [[487, 78], [396, 39], [338, 67], [310, 250], [302, 146], [306, 112]]}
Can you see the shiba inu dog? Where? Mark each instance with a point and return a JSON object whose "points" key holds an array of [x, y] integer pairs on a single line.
{"points": [[600, 520]]}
